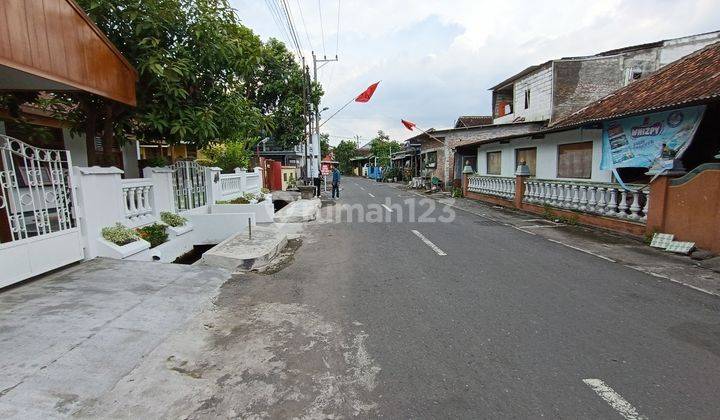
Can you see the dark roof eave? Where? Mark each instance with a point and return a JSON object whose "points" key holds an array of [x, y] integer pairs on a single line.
{"points": [[681, 104], [448, 130]]}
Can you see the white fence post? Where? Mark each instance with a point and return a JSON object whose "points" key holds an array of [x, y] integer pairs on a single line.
{"points": [[99, 203], [163, 197], [243, 179], [212, 184], [258, 170]]}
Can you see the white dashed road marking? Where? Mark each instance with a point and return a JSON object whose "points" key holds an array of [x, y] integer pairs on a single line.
{"points": [[370, 194], [523, 230], [615, 400], [362, 188], [387, 208], [428, 243]]}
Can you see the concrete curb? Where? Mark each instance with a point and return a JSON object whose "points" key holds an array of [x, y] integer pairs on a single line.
{"points": [[240, 252], [299, 211]]}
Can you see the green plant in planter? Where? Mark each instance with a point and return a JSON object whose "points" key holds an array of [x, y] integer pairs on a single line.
{"points": [[172, 219], [156, 234], [260, 197], [119, 234], [239, 200], [265, 190], [457, 192], [249, 196]]}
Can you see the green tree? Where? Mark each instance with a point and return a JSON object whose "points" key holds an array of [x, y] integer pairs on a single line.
{"points": [[228, 156], [204, 78], [382, 148], [324, 144], [276, 87], [346, 150]]}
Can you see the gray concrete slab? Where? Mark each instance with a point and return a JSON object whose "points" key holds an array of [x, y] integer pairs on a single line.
{"points": [[67, 338], [299, 211], [246, 252]]}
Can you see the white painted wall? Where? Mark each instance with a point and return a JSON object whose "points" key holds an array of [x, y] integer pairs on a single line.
{"points": [[676, 48], [547, 153], [540, 106]]}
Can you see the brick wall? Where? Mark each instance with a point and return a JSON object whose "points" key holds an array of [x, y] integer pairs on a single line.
{"points": [[579, 82]]}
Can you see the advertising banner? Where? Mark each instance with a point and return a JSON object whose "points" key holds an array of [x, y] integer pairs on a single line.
{"points": [[651, 140]]}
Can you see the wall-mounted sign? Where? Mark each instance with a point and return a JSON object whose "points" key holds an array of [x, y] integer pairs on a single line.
{"points": [[651, 140]]}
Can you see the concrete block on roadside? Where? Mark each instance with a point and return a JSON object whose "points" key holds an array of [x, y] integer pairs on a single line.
{"points": [[299, 211], [242, 252]]}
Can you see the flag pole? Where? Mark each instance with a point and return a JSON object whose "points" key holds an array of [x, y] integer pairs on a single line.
{"points": [[336, 112], [431, 136], [413, 126], [354, 98]]}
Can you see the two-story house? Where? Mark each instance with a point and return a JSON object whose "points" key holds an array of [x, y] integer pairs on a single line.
{"points": [[550, 91]]}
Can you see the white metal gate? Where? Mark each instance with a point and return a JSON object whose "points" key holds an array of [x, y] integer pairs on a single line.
{"points": [[38, 226], [188, 185]]}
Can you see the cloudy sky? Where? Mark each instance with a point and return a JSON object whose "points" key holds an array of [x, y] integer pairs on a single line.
{"points": [[436, 59]]}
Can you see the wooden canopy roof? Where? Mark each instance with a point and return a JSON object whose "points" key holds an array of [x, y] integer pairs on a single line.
{"points": [[53, 45]]}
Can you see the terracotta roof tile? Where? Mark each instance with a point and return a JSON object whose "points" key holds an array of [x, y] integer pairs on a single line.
{"points": [[691, 80], [473, 120]]}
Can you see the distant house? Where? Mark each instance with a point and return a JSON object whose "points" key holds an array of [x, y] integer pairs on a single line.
{"points": [[652, 130], [544, 94]]}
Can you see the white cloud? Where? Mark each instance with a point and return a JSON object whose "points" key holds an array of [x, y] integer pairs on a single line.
{"points": [[436, 59]]}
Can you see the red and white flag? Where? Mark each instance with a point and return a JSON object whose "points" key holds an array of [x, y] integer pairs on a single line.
{"points": [[367, 94], [409, 125]]}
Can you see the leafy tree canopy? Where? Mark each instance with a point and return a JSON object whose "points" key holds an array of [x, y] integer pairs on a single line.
{"points": [[346, 150], [382, 147], [324, 144], [203, 76]]}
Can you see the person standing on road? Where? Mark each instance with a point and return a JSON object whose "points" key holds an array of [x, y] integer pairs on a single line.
{"points": [[335, 182]]}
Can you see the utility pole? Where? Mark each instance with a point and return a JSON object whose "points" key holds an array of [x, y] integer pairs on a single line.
{"points": [[316, 139], [306, 116]]}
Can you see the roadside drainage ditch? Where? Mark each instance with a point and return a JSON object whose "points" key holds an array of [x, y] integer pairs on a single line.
{"points": [[193, 255]]}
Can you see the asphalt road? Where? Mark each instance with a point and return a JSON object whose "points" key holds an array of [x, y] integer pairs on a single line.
{"points": [[474, 319]]}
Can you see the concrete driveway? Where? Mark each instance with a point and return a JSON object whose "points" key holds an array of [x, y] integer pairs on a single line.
{"points": [[68, 338]]}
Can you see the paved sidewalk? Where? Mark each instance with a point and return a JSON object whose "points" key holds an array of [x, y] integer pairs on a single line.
{"points": [[68, 338], [614, 247]]}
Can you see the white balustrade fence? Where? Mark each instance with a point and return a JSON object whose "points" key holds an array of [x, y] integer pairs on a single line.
{"points": [[236, 184], [231, 184], [252, 182], [595, 198], [137, 197], [499, 186]]}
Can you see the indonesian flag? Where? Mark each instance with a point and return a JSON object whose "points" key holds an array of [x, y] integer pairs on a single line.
{"points": [[367, 94], [409, 125]]}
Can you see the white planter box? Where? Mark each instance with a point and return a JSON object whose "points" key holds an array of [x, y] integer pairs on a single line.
{"points": [[211, 226], [174, 247], [134, 250], [264, 211], [180, 230]]}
